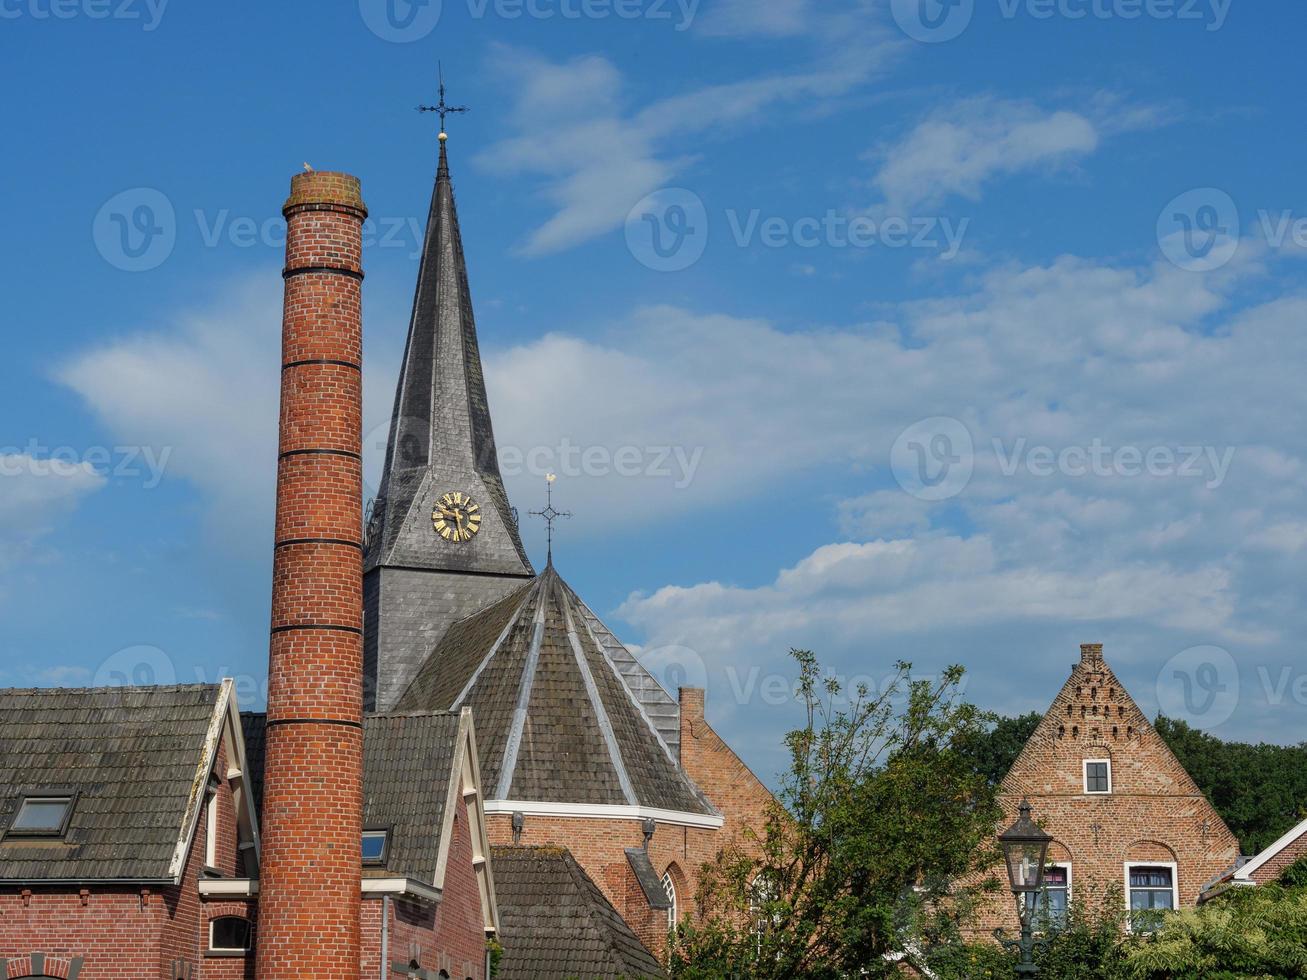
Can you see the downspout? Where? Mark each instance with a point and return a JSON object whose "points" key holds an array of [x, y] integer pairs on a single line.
{"points": [[385, 935]]}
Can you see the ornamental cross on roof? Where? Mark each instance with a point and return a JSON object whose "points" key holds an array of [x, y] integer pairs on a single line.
{"points": [[550, 514], [442, 106]]}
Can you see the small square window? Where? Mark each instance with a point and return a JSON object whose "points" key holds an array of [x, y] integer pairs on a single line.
{"points": [[42, 816], [229, 934], [1098, 776], [376, 843]]}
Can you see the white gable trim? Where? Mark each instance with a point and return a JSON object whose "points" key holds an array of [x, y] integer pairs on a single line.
{"points": [[465, 786], [1246, 872], [604, 811]]}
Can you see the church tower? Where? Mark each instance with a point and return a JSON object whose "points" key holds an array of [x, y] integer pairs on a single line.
{"points": [[442, 541]]}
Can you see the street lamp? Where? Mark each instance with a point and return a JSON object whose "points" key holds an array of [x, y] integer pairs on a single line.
{"points": [[1025, 851]]}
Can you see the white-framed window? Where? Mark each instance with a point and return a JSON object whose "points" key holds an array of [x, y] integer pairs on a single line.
{"points": [[669, 886], [762, 892], [229, 934], [1098, 776], [376, 845], [1152, 890], [1053, 901]]}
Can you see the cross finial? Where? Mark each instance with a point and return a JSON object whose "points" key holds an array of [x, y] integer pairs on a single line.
{"points": [[550, 514], [442, 106]]}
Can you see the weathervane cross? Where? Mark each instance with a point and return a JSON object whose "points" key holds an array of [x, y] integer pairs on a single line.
{"points": [[550, 514], [442, 106]]}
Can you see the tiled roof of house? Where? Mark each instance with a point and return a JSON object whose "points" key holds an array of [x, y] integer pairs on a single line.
{"points": [[408, 760], [556, 720], [131, 756], [555, 923]]}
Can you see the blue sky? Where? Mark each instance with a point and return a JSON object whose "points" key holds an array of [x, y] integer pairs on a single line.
{"points": [[958, 333]]}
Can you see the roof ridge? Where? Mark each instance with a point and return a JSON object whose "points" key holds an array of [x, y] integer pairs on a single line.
{"points": [[106, 688]]}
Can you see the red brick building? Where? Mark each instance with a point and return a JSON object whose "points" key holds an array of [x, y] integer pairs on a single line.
{"points": [[581, 747], [1124, 815], [131, 846]]}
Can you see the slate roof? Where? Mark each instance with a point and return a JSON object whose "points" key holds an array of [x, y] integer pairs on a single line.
{"points": [[133, 756], [441, 438], [408, 761], [556, 721], [555, 924]]}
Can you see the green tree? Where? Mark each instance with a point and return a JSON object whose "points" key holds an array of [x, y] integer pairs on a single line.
{"points": [[993, 750], [879, 817]]}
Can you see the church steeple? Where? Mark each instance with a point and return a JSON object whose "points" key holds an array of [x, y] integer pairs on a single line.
{"points": [[441, 438]]}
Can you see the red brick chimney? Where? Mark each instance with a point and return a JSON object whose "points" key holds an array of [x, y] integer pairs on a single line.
{"points": [[313, 794]]}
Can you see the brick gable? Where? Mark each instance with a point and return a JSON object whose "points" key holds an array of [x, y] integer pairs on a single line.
{"points": [[1153, 813]]}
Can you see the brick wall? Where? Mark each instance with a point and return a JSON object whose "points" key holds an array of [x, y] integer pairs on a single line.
{"points": [[1276, 866], [125, 932]]}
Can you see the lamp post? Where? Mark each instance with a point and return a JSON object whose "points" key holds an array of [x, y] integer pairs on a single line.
{"points": [[1025, 851]]}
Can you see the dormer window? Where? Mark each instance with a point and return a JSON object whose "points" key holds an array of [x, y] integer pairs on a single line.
{"points": [[376, 845], [42, 816], [1098, 777]]}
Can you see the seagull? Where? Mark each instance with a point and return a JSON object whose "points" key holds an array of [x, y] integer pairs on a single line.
{"points": [[307, 168]]}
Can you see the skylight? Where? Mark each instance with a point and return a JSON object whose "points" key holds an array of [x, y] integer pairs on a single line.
{"points": [[42, 816], [375, 845]]}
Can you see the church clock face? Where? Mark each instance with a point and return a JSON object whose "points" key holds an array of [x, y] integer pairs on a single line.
{"points": [[457, 516]]}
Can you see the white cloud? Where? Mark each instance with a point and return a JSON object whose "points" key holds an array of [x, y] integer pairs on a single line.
{"points": [[958, 149], [748, 18], [597, 153], [35, 492]]}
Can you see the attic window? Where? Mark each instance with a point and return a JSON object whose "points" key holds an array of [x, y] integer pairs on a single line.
{"points": [[376, 844], [42, 816], [1098, 776]]}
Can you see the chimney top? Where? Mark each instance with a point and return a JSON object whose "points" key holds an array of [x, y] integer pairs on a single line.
{"points": [[325, 187], [1091, 654]]}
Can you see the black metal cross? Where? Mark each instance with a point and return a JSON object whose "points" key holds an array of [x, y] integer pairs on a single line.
{"points": [[550, 514], [442, 107]]}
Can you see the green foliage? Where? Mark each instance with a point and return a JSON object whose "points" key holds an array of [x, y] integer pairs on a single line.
{"points": [[496, 952], [993, 750], [1295, 875], [1090, 945], [1260, 791], [1247, 934], [881, 814]]}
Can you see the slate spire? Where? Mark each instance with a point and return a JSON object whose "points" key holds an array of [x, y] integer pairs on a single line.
{"points": [[441, 439]]}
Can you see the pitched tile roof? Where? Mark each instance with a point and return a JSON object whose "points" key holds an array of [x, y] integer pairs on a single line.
{"points": [[555, 923], [132, 756], [408, 761], [556, 720]]}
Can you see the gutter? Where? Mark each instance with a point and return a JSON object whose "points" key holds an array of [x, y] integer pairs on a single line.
{"points": [[385, 936]]}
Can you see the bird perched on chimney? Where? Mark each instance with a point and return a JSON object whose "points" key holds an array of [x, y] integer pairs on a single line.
{"points": [[307, 168]]}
